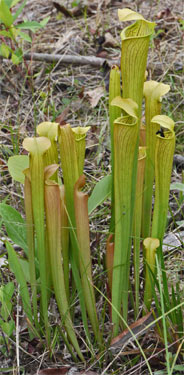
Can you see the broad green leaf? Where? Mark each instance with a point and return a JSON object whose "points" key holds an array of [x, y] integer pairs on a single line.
{"points": [[101, 191], [16, 59], [29, 25], [6, 309], [8, 290], [7, 327], [5, 14], [19, 274], [14, 224], [25, 267], [44, 21], [18, 52], [16, 165], [25, 36], [4, 50], [9, 3], [15, 16], [6, 33], [177, 186]]}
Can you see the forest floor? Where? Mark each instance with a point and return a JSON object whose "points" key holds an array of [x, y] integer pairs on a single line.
{"points": [[78, 94]]}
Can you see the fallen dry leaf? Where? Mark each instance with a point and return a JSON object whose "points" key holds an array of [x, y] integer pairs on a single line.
{"points": [[110, 41], [81, 93], [62, 117], [103, 54], [95, 95], [139, 327], [165, 13]]}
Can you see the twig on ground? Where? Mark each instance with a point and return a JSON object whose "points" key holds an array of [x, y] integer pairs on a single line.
{"points": [[70, 59]]}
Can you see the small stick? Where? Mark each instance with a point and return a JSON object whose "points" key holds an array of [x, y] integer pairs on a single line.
{"points": [[70, 59], [79, 60]]}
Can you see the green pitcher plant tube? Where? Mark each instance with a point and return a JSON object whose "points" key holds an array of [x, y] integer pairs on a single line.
{"points": [[153, 92], [134, 50], [53, 220], [37, 148], [65, 239], [62, 246], [150, 245], [114, 113], [70, 168], [164, 153], [142, 140], [50, 130], [80, 139], [69, 164], [128, 107], [49, 172], [85, 265], [125, 138], [30, 241], [109, 260], [137, 223]]}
